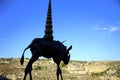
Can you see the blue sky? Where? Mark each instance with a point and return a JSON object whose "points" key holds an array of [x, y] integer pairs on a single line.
{"points": [[91, 26]]}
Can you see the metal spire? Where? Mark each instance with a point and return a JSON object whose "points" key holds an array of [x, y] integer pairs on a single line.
{"points": [[48, 27]]}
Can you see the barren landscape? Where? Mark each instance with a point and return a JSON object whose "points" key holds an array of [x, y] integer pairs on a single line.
{"points": [[45, 69]]}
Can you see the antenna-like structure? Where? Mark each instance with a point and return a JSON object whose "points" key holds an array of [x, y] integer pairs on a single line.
{"points": [[48, 27]]}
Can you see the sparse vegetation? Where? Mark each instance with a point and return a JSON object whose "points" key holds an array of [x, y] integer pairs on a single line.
{"points": [[97, 74], [45, 69], [40, 67]]}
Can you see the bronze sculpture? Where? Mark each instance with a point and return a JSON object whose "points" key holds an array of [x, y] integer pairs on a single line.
{"points": [[48, 48]]}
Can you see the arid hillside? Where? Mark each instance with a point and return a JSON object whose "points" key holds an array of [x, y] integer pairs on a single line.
{"points": [[10, 69]]}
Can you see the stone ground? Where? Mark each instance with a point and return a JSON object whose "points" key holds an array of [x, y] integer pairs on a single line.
{"points": [[10, 69]]}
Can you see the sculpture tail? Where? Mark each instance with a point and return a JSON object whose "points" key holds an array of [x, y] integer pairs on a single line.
{"points": [[22, 57]]}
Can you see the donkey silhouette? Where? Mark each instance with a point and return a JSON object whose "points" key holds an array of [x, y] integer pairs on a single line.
{"points": [[48, 49]]}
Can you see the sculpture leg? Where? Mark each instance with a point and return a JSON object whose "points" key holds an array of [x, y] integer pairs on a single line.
{"points": [[30, 73], [28, 69], [59, 72]]}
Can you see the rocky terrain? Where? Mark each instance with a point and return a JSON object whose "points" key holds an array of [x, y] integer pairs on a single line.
{"points": [[10, 69]]}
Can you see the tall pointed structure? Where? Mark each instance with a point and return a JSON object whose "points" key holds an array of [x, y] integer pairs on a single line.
{"points": [[48, 27]]}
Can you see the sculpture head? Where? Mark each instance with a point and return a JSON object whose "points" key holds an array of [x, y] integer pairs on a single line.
{"points": [[66, 56]]}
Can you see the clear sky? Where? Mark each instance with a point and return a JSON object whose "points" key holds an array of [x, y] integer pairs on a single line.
{"points": [[91, 26]]}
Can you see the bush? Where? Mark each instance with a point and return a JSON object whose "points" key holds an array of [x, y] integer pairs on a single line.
{"points": [[40, 68]]}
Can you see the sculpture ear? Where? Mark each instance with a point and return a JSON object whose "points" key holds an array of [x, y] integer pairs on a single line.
{"points": [[63, 41], [69, 48]]}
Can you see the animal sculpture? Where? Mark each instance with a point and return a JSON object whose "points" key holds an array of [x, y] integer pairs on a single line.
{"points": [[48, 49]]}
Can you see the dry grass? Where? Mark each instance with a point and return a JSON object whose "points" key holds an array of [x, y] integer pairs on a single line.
{"points": [[75, 70]]}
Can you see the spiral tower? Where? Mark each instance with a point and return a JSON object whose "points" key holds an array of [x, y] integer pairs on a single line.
{"points": [[48, 27]]}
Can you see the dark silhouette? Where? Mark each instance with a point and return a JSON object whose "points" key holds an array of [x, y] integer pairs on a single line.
{"points": [[48, 27], [2, 77], [48, 49]]}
